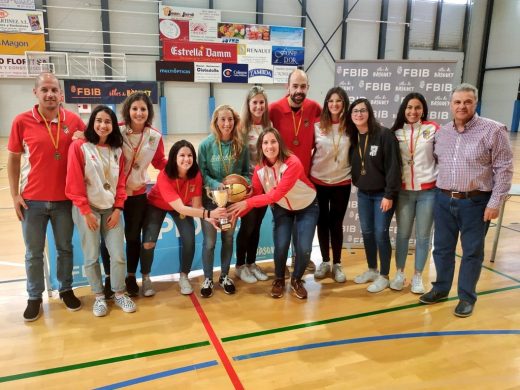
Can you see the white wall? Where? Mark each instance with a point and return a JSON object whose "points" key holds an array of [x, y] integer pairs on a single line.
{"points": [[187, 110], [500, 86]]}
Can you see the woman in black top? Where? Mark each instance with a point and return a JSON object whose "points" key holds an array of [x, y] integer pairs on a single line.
{"points": [[376, 172]]}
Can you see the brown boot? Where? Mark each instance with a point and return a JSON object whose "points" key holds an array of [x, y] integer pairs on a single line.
{"points": [[298, 289], [278, 287]]}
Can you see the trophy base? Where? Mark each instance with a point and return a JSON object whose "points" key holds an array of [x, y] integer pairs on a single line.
{"points": [[225, 226]]}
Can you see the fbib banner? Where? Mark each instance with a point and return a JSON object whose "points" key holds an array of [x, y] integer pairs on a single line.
{"points": [[385, 84], [167, 252]]}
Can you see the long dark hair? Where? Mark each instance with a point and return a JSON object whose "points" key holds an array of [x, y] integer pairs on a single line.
{"points": [[114, 139], [283, 151], [400, 120], [136, 96], [373, 125], [326, 117], [171, 168]]}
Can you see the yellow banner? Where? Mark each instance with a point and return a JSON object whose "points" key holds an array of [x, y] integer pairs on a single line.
{"points": [[20, 43]]}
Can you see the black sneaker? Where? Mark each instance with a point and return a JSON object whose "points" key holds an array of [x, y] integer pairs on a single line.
{"points": [[432, 297], [107, 289], [131, 286], [227, 284], [70, 300], [207, 288], [33, 310]]}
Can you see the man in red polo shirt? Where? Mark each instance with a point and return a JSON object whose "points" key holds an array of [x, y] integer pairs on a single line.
{"points": [[43, 135], [294, 116]]}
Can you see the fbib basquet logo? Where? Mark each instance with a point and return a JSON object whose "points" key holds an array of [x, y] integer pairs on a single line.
{"points": [[234, 73]]}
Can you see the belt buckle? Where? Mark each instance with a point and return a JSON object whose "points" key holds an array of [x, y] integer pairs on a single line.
{"points": [[454, 192]]}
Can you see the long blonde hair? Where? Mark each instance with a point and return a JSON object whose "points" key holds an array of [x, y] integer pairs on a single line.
{"points": [[237, 140], [246, 118]]}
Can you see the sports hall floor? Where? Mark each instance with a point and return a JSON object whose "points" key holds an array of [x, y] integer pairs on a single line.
{"points": [[341, 337]]}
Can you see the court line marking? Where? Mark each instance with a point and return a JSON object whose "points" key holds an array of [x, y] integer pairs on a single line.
{"points": [[368, 339], [12, 264], [348, 317], [158, 375], [13, 280], [500, 273], [101, 362], [235, 380]]}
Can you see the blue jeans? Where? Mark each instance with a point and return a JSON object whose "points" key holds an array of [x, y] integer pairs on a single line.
{"points": [[90, 242], [34, 227], [300, 224], [375, 226], [208, 249], [418, 206], [452, 216], [152, 226]]}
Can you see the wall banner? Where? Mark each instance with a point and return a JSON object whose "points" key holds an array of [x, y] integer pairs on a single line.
{"points": [[287, 36], [199, 52], [208, 72], [286, 55], [182, 13], [166, 259], [385, 84], [18, 4], [234, 73], [15, 66], [21, 21], [94, 92], [174, 71], [19, 43]]}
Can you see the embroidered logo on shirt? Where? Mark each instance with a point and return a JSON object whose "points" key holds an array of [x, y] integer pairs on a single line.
{"points": [[151, 141], [65, 129], [373, 150], [192, 188], [306, 123], [426, 133]]}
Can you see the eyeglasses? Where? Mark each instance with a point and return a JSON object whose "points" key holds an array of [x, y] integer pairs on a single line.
{"points": [[361, 111]]}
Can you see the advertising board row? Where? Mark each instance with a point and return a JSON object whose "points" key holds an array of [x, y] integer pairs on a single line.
{"points": [[221, 52], [21, 30]]}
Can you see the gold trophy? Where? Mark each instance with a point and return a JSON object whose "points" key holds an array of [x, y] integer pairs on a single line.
{"points": [[219, 196]]}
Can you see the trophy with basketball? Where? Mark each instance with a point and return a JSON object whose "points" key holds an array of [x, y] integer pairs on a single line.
{"points": [[219, 196], [238, 188]]}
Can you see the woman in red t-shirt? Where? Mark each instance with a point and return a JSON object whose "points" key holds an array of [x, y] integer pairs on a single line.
{"points": [[178, 191]]}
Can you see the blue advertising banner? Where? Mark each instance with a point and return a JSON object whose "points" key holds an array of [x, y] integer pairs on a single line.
{"points": [[166, 259], [96, 92], [288, 55], [234, 73]]}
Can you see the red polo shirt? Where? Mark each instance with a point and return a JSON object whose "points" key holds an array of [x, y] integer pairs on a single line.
{"points": [[166, 191], [42, 176], [286, 121]]}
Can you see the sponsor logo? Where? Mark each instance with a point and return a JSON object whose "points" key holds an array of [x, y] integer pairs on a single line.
{"points": [[260, 73], [380, 100], [444, 72], [404, 86], [15, 44], [353, 72], [382, 72]]}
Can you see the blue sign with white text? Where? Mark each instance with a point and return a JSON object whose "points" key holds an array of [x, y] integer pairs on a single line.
{"points": [[234, 73], [288, 55]]}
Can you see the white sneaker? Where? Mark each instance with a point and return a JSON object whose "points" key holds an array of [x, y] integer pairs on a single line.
{"points": [[125, 303], [147, 288], [322, 270], [257, 272], [185, 286], [367, 276], [100, 308], [242, 272], [417, 284], [397, 283], [379, 285], [338, 274]]}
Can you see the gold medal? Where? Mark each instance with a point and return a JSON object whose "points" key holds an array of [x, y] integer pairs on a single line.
{"points": [[182, 216], [57, 155], [363, 172], [136, 166], [295, 142], [107, 185]]}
